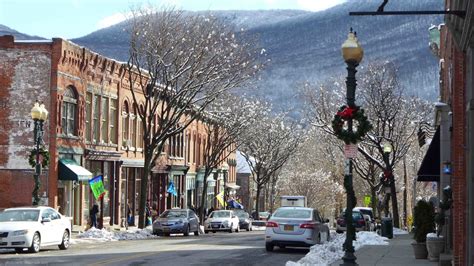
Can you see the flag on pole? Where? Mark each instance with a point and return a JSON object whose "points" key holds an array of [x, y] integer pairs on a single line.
{"points": [[97, 187], [172, 189], [220, 198]]}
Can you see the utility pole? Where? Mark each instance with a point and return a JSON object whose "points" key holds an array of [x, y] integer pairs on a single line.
{"points": [[405, 193]]}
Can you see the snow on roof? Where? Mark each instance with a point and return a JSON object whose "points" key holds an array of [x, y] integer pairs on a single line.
{"points": [[242, 165]]}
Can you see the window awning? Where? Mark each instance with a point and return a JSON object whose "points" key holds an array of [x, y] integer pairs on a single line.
{"points": [[72, 171], [430, 166], [232, 186]]}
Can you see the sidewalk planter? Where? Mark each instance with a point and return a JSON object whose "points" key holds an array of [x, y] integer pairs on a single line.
{"points": [[423, 222], [420, 250], [435, 246]]}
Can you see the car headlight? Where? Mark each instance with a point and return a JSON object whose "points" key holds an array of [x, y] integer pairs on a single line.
{"points": [[20, 232], [179, 222]]}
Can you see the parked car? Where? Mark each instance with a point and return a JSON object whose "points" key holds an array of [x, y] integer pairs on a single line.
{"points": [[368, 214], [245, 221], [295, 226], [175, 221], [262, 216], [222, 220], [33, 228], [357, 220]]}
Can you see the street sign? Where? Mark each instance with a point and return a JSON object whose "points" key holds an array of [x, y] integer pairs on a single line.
{"points": [[350, 151], [367, 200]]}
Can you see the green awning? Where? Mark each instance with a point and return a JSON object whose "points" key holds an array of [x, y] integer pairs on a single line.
{"points": [[72, 171]]}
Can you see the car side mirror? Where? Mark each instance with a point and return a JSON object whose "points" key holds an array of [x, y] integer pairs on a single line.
{"points": [[233, 216], [46, 220]]}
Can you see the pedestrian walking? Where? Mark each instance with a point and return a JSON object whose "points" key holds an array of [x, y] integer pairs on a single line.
{"points": [[93, 215], [148, 220], [130, 220]]}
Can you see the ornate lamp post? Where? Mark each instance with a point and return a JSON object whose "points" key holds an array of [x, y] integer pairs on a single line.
{"points": [[352, 53], [387, 175], [39, 114], [225, 169]]}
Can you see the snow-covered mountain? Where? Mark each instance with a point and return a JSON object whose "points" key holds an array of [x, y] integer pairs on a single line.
{"points": [[305, 46]]}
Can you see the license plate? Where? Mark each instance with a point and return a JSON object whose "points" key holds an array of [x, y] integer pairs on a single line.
{"points": [[288, 227], [215, 226]]}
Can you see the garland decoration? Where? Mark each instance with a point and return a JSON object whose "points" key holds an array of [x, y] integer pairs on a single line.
{"points": [[346, 113], [44, 157]]}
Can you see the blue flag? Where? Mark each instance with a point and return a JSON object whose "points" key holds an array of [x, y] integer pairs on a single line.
{"points": [[172, 189]]}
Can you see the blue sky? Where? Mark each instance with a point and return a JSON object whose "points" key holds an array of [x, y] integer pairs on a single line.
{"points": [[76, 18]]}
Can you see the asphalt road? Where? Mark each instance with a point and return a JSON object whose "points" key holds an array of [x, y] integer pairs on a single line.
{"points": [[222, 249]]}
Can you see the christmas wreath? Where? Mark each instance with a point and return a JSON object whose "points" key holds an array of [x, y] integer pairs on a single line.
{"points": [[44, 157], [356, 114]]}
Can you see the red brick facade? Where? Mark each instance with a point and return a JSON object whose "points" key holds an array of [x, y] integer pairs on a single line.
{"points": [[457, 76], [62, 75]]}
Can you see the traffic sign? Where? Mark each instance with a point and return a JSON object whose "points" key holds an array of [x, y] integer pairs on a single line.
{"points": [[350, 151]]}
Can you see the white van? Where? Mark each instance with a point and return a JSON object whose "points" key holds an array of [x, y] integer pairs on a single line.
{"points": [[293, 201]]}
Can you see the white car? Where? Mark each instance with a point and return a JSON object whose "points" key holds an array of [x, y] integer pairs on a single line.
{"points": [[33, 228], [295, 226], [222, 220]]}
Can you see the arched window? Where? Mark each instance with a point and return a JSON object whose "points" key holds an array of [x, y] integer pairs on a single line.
{"points": [[134, 126], [69, 111], [125, 124]]}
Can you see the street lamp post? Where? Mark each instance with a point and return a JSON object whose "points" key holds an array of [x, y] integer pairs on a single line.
{"points": [[225, 169], [387, 175], [352, 53], [39, 114]]}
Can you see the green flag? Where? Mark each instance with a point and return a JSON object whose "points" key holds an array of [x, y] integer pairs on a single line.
{"points": [[97, 187]]}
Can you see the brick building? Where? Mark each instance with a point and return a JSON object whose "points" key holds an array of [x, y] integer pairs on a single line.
{"points": [[455, 117], [93, 126]]}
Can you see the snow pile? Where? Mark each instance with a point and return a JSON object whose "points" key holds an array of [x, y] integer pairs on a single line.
{"points": [[103, 235], [331, 251], [397, 231]]}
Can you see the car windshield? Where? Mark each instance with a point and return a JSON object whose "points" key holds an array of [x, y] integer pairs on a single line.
{"points": [[292, 213], [173, 214], [223, 214], [355, 215], [243, 215], [367, 212], [19, 215]]}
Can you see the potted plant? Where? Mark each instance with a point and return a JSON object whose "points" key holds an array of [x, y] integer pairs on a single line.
{"points": [[435, 242], [423, 222]]}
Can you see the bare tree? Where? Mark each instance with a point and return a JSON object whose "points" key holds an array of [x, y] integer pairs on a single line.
{"points": [[178, 64], [315, 172], [229, 117], [266, 147], [391, 113]]}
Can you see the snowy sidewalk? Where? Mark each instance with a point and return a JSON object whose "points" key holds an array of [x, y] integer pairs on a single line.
{"points": [[398, 252]]}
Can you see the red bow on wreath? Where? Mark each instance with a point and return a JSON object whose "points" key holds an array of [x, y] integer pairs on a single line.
{"points": [[347, 113]]}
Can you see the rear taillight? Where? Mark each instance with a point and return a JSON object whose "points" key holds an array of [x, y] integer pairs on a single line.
{"points": [[272, 224], [361, 222], [340, 221], [307, 226]]}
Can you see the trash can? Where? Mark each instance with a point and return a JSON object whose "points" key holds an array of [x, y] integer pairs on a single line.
{"points": [[387, 227]]}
